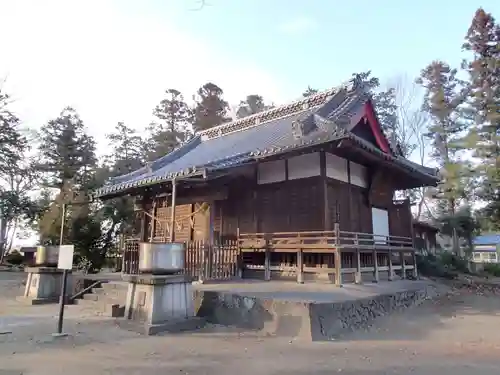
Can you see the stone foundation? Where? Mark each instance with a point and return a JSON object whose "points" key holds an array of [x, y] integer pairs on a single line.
{"points": [[159, 304], [306, 320], [43, 285]]}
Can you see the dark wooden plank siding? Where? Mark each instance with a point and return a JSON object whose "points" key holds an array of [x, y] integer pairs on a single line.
{"points": [[299, 206], [400, 219], [182, 227], [303, 203], [338, 202], [201, 222]]}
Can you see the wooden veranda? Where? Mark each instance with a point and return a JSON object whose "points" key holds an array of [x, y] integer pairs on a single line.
{"points": [[335, 256]]}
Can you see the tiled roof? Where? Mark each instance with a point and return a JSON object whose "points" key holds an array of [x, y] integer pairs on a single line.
{"points": [[317, 119]]}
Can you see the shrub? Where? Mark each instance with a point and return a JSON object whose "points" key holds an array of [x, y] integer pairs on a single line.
{"points": [[432, 266], [15, 258], [493, 269], [454, 261]]}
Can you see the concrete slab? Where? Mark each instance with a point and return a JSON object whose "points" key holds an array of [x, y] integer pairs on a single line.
{"points": [[312, 312], [312, 292]]}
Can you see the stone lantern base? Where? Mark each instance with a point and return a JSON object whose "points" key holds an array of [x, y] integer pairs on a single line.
{"points": [[159, 303], [43, 285]]}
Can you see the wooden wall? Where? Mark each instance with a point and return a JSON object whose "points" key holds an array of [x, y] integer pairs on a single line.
{"points": [[301, 204], [286, 206]]}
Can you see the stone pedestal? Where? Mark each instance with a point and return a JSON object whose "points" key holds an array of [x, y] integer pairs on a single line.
{"points": [[160, 304], [43, 285]]}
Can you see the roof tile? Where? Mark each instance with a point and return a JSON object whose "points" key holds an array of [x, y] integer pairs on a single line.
{"points": [[254, 137]]}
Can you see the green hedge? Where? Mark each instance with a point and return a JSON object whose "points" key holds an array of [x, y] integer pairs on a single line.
{"points": [[493, 269]]}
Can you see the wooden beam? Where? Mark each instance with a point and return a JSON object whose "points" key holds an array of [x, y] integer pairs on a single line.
{"points": [[415, 271], [358, 279], [172, 211], [153, 221], [327, 225], [375, 267], [338, 257], [300, 266], [391, 268], [403, 266]]}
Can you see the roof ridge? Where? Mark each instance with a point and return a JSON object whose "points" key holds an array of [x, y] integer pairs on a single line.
{"points": [[284, 110]]}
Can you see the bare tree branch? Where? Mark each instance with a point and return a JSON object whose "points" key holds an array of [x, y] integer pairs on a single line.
{"points": [[410, 131], [201, 4]]}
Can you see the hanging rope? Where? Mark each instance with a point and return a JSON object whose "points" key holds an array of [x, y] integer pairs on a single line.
{"points": [[178, 221]]}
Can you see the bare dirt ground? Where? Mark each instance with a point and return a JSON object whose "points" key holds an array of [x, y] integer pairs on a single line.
{"points": [[456, 334]]}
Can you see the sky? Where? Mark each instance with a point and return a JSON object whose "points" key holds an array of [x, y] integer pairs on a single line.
{"points": [[113, 59]]}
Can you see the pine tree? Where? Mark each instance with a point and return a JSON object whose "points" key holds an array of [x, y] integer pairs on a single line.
{"points": [[172, 126], [442, 103], [68, 164], [210, 109], [251, 105], [127, 150], [67, 152], [309, 91], [384, 102], [17, 176], [483, 43], [126, 155], [12, 142]]}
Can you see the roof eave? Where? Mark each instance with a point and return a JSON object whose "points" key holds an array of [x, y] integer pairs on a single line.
{"points": [[123, 189]]}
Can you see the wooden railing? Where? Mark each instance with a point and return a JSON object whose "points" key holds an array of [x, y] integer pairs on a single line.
{"points": [[203, 261], [332, 253], [322, 241]]}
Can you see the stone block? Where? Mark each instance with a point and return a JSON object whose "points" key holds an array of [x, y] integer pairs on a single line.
{"points": [[159, 304], [43, 285]]}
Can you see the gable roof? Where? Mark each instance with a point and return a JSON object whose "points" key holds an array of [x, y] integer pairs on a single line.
{"points": [[313, 120]]}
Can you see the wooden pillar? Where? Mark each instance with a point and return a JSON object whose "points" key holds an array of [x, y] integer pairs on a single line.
{"points": [[300, 266], [403, 267], [415, 271], [338, 257], [153, 221], [357, 278], [327, 225], [267, 262], [375, 267], [172, 211], [389, 261], [240, 254]]}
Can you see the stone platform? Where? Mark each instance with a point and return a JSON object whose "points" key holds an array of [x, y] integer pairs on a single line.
{"points": [[313, 312]]}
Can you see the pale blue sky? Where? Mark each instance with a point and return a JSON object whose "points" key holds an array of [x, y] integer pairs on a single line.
{"points": [[321, 42], [113, 59]]}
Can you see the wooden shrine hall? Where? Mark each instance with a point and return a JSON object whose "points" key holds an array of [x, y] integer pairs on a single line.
{"points": [[304, 191]]}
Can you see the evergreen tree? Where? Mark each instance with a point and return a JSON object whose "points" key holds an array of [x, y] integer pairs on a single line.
{"points": [[172, 128], [210, 109], [127, 150], [12, 142], [483, 43], [126, 155], [68, 164], [17, 177], [67, 152], [384, 102], [309, 91], [251, 105], [442, 103]]}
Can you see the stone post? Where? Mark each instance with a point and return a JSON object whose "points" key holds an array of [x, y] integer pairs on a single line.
{"points": [[43, 285], [160, 303]]}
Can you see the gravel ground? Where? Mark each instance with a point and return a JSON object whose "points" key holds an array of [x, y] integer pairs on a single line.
{"points": [[455, 334]]}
